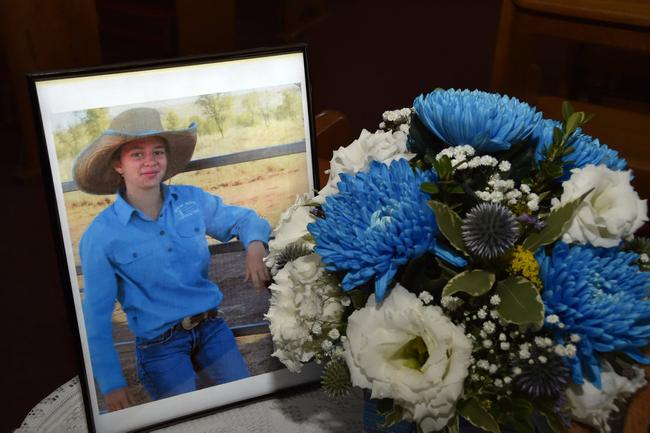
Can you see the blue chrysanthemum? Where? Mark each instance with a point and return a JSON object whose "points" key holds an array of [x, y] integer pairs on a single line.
{"points": [[378, 221], [587, 150], [600, 295], [488, 122]]}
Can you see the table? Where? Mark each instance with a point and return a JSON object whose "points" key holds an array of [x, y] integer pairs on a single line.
{"points": [[307, 410]]}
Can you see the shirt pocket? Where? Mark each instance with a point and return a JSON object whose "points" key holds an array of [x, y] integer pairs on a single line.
{"points": [[133, 254], [191, 226]]}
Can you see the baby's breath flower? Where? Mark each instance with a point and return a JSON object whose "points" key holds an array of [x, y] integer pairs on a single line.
{"points": [[345, 301], [425, 297], [316, 329], [483, 364], [552, 319], [487, 343], [505, 345], [504, 165], [498, 383], [542, 359], [334, 334], [516, 371], [327, 345], [489, 327], [493, 368], [575, 338], [495, 300], [502, 337]]}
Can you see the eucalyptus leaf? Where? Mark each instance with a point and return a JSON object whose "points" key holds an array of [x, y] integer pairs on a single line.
{"points": [[454, 424], [449, 223], [473, 412], [520, 425], [520, 302], [552, 421], [573, 123], [474, 283], [429, 187], [567, 110], [556, 224]]}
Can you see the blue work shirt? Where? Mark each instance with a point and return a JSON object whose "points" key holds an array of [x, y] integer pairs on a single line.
{"points": [[156, 269]]}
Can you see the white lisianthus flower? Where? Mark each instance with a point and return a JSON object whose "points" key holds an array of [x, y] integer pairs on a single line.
{"points": [[593, 406], [291, 227], [377, 337], [301, 299], [611, 212], [379, 146]]}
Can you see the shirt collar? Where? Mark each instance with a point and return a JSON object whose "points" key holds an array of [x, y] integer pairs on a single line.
{"points": [[125, 211]]}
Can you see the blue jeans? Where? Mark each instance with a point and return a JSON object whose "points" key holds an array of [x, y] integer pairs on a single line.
{"points": [[180, 361]]}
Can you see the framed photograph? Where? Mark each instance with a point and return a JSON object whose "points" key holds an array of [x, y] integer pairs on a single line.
{"points": [[162, 176]]}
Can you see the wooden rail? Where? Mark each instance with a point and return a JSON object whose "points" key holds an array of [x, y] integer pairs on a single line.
{"points": [[228, 159]]}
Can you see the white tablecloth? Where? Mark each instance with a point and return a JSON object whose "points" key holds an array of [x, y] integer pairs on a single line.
{"points": [[309, 411]]}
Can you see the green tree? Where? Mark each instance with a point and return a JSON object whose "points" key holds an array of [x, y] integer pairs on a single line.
{"points": [[95, 121], [171, 120], [216, 108], [291, 106], [265, 109], [250, 104]]}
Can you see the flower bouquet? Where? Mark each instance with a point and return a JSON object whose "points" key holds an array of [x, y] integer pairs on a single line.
{"points": [[469, 262]]}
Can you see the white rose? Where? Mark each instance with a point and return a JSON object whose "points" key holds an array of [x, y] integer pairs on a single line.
{"points": [[593, 406], [379, 146], [611, 212], [376, 334]]}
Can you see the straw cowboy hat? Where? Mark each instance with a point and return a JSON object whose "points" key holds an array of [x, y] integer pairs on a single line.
{"points": [[93, 170]]}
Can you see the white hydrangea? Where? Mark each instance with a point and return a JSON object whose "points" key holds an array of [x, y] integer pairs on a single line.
{"points": [[300, 301]]}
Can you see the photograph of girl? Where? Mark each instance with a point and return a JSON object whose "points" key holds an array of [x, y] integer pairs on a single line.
{"points": [[148, 244]]}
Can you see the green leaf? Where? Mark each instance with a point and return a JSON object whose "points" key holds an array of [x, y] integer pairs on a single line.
{"points": [[567, 110], [520, 302], [449, 223], [454, 424], [393, 417], [557, 135], [429, 187], [384, 406], [556, 224], [475, 283], [553, 422], [473, 412], [573, 123], [521, 425]]}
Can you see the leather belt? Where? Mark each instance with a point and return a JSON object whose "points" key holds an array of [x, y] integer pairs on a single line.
{"points": [[190, 322]]}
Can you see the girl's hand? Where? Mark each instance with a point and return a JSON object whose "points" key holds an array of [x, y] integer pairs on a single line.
{"points": [[256, 271]]}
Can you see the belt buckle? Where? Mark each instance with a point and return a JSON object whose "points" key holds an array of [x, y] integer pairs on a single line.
{"points": [[188, 323]]}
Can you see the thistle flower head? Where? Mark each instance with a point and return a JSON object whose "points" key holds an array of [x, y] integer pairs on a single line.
{"points": [[291, 252], [489, 122], [489, 230], [543, 380], [335, 380]]}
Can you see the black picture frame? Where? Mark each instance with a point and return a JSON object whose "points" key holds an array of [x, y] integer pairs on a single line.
{"points": [[64, 100]]}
